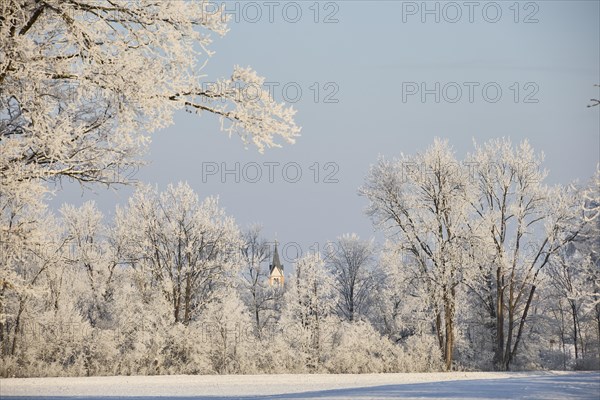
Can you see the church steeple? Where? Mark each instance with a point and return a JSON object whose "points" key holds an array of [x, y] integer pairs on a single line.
{"points": [[276, 263], [276, 269]]}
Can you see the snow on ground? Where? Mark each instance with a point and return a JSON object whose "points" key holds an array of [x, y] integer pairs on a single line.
{"points": [[456, 385]]}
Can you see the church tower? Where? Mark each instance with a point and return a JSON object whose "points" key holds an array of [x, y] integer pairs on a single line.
{"points": [[276, 277]]}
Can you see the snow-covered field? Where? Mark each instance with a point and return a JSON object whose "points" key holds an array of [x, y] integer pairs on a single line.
{"points": [[456, 385]]}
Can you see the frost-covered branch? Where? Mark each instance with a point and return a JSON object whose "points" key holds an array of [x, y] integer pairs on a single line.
{"points": [[84, 83]]}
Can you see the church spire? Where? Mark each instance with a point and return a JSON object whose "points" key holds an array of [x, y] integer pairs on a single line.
{"points": [[276, 263], [276, 269]]}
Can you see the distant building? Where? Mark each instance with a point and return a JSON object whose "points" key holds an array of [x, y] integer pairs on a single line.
{"points": [[276, 270]]}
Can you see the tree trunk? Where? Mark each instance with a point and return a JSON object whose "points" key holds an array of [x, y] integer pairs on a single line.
{"points": [[575, 338], [598, 324], [562, 336], [188, 301], [13, 348], [499, 343], [438, 331], [521, 325], [257, 318], [176, 300], [449, 333], [509, 333]]}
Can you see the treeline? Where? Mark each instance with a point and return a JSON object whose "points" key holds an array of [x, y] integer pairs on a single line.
{"points": [[485, 267]]}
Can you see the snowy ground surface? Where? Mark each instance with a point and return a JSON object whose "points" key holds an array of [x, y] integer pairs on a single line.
{"points": [[455, 385]]}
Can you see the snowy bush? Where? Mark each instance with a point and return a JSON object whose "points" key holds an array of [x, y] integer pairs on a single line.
{"points": [[422, 354], [227, 335], [358, 348]]}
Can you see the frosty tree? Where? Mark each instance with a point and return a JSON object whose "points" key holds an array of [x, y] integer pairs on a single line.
{"points": [[225, 334], [29, 246], [254, 279], [182, 248], [568, 281], [522, 224], [83, 83], [591, 246], [91, 252], [404, 304], [350, 261], [309, 303], [423, 201]]}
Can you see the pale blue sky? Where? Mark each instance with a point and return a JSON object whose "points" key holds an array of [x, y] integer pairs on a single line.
{"points": [[368, 54]]}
